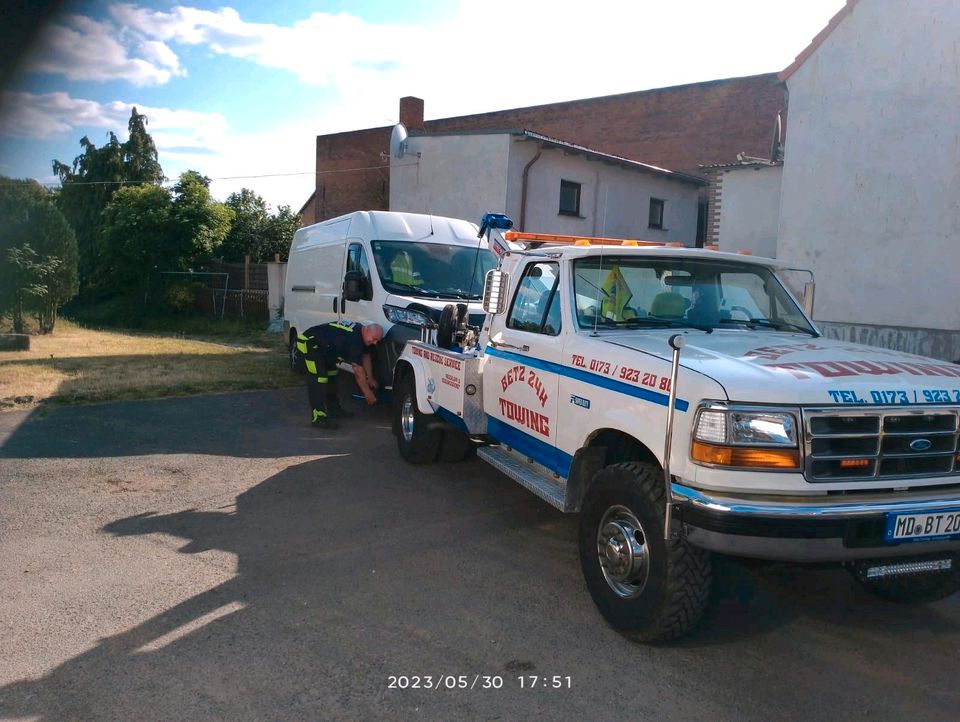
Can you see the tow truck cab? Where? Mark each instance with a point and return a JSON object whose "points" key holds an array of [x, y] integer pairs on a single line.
{"points": [[781, 444]]}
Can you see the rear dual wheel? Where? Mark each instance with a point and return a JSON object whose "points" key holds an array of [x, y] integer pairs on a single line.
{"points": [[422, 438], [418, 435]]}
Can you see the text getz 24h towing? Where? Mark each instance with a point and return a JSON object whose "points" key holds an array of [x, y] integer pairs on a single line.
{"points": [[759, 439]]}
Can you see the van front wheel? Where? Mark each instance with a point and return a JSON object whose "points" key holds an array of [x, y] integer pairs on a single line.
{"points": [[293, 358]]}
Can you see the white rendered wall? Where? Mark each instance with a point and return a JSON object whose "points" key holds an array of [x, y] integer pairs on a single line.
{"points": [[460, 176], [750, 209], [614, 201], [871, 182]]}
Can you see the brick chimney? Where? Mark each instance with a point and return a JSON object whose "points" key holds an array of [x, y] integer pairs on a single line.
{"points": [[411, 112]]}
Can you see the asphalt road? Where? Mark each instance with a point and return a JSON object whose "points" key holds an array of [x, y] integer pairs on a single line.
{"points": [[215, 558]]}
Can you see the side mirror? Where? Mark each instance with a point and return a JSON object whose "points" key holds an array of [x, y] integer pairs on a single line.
{"points": [[808, 292], [353, 286], [495, 288]]}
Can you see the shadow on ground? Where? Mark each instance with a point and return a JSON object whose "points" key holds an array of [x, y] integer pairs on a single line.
{"points": [[257, 424]]}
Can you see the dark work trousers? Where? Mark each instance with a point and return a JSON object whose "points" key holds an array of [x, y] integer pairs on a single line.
{"points": [[322, 388]]}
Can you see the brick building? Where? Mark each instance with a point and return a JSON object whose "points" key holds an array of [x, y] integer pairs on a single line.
{"points": [[680, 128]]}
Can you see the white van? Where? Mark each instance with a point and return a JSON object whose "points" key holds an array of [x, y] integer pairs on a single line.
{"points": [[395, 269]]}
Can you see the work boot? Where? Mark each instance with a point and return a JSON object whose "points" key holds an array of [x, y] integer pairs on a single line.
{"points": [[325, 422]]}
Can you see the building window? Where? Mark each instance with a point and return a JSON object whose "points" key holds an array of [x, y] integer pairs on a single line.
{"points": [[569, 198], [656, 213]]}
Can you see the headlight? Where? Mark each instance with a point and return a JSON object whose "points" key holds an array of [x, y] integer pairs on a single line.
{"points": [[406, 316], [746, 438]]}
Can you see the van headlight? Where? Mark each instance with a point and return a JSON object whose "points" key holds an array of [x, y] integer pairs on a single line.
{"points": [[406, 316], [746, 437]]}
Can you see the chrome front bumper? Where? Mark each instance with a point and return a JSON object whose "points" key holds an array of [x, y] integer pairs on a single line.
{"points": [[806, 529]]}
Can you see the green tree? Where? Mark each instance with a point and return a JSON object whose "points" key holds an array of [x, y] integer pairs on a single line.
{"points": [[136, 239], [96, 174], [199, 224], [39, 250], [279, 234], [255, 231], [249, 224]]}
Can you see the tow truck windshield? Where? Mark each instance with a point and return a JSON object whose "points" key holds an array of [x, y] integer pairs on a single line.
{"points": [[645, 292], [432, 269]]}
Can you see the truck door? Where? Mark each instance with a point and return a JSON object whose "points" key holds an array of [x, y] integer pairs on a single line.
{"points": [[357, 261], [520, 379]]}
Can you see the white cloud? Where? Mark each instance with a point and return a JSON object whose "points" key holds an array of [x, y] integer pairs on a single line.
{"points": [[27, 115], [185, 139], [44, 115], [80, 48], [494, 54]]}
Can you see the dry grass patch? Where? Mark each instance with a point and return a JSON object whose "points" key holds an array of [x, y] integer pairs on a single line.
{"points": [[76, 365]]}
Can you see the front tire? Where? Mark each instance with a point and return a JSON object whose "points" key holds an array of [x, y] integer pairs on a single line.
{"points": [[418, 438], [646, 588], [293, 358]]}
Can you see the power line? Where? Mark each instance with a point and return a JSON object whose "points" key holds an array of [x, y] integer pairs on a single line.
{"points": [[229, 177]]}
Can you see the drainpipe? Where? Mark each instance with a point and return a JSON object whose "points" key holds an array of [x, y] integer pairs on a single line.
{"points": [[523, 188]]}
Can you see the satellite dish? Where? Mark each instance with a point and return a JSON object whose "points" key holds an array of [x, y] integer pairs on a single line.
{"points": [[398, 141], [776, 147]]}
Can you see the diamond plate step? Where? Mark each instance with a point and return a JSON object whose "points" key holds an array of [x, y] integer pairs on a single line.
{"points": [[525, 474]]}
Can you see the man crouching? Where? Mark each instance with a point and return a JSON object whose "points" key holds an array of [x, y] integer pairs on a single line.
{"points": [[322, 348]]}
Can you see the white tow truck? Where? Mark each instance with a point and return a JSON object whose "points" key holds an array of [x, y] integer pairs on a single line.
{"points": [[684, 403]]}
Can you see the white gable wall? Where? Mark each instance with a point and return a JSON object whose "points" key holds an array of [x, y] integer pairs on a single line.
{"points": [[614, 201], [749, 209], [460, 176], [871, 180], [469, 174]]}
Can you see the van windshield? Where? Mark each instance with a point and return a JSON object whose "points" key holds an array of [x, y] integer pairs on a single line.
{"points": [[432, 269]]}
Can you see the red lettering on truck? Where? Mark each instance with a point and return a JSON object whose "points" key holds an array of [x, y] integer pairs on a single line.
{"points": [[525, 417]]}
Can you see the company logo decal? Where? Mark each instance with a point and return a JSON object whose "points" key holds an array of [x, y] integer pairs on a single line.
{"points": [[921, 444], [527, 376]]}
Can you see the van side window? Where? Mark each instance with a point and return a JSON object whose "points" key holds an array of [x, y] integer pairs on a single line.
{"points": [[536, 305], [357, 261]]}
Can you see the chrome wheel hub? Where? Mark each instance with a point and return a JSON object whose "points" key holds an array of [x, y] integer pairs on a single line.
{"points": [[623, 552], [407, 419]]}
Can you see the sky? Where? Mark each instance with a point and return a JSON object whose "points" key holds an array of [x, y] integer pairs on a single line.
{"points": [[240, 91]]}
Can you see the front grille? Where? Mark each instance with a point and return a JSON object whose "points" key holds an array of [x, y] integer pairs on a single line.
{"points": [[880, 443]]}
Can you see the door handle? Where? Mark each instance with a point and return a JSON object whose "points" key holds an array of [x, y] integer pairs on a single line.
{"points": [[335, 304], [500, 344]]}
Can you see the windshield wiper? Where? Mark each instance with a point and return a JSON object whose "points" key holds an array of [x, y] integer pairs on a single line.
{"points": [[460, 294], [661, 322], [767, 323], [396, 287]]}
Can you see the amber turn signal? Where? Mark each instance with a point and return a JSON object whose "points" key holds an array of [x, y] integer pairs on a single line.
{"points": [[744, 456], [854, 463]]}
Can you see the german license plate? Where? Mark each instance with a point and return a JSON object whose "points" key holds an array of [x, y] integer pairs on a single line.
{"points": [[923, 527]]}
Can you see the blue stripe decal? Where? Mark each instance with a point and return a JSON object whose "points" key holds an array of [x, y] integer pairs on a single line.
{"points": [[589, 378], [540, 451], [452, 419]]}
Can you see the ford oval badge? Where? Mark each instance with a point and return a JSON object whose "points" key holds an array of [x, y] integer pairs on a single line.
{"points": [[921, 444]]}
